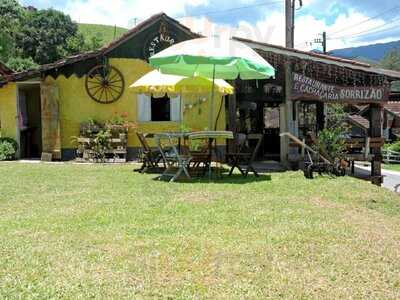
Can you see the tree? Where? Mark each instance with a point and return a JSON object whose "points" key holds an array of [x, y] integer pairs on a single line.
{"points": [[78, 43], [12, 14], [391, 60], [20, 64], [11, 17], [44, 35], [31, 37]]}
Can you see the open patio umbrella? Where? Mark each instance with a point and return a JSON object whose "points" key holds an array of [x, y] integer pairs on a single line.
{"points": [[158, 85], [212, 58]]}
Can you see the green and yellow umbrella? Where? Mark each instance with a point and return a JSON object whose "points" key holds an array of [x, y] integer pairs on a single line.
{"points": [[212, 58], [158, 85]]}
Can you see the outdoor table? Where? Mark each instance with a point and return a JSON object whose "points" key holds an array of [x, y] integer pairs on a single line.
{"points": [[182, 159]]}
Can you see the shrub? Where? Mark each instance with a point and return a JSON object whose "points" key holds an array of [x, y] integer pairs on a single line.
{"points": [[395, 147], [8, 148]]}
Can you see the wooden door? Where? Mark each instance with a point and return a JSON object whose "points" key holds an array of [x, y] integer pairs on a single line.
{"points": [[51, 137]]}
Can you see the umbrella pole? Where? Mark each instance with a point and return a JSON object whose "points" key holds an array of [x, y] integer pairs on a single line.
{"points": [[180, 113], [211, 110], [211, 120]]}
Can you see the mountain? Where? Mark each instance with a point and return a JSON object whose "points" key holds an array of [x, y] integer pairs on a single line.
{"points": [[367, 53], [105, 32]]}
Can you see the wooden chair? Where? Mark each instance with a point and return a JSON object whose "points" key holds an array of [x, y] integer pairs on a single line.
{"points": [[247, 148], [201, 159], [176, 163], [151, 158]]}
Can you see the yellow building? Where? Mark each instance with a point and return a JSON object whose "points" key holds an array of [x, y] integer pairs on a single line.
{"points": [[43, 109]]}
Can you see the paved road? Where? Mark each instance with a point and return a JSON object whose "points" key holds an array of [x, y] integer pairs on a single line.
{"points": [[390, 178]]}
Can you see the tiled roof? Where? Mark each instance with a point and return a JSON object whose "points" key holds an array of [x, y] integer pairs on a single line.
{"points": [[359, 121], [324, 58], [393, 107]]}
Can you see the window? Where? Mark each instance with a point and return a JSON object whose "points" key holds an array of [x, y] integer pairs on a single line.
{"points": [[158, 109], [161, 109]]}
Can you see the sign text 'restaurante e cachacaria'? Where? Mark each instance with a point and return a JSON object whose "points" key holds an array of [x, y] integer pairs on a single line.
{"points": [[305, 88]]}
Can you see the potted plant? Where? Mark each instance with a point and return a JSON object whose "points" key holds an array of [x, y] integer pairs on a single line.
{"points": [[119, 125]]}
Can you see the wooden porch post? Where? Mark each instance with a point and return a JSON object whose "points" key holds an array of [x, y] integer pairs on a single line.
{"points": [[287, 122], [375, 131]]}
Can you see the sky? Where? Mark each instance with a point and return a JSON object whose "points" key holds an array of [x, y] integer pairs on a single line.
{"points": [[348, 23]]}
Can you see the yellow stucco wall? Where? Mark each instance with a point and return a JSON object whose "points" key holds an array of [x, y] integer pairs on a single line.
{"points": [[8, 110], [76, 106]]}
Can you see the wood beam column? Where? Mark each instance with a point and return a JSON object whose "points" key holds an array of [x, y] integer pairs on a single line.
{"points": [[375, 131]]}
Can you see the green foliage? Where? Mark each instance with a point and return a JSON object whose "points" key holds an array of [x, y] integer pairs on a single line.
{"points": [[103, 34], [393, 147], [391, 60], [11, 17], [44, 34], [7, 151], [20, 64], [102, 143], [7, 46], [336, 116], [77, 44], [8, 148], [30, 37], [331, 141]]}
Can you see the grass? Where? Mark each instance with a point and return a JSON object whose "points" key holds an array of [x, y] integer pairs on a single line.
{"points": [[105, 32], [95, 231], [393, 167]]}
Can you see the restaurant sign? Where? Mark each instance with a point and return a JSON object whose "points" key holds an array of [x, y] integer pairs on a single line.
{"points": [[159, 41], [305, 88]]}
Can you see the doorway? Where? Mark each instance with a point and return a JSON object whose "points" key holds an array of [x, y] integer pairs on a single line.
{"points": [[262, 117], [29, 120], [272, 144]]}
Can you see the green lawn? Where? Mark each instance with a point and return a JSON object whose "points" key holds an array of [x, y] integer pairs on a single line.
{"points": [[105, 32], [393, 167], [84, 231]]}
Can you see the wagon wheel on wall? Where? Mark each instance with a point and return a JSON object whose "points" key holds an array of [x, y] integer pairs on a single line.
{"points": [[104, 84]]}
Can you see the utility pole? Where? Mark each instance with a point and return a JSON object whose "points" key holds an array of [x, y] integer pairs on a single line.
{"points": [[290, 8], [289, 15], [322, 42], [288, 122]]}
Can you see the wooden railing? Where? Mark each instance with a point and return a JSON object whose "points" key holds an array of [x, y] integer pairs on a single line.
{"points": [[357, 148], [390, 156]]}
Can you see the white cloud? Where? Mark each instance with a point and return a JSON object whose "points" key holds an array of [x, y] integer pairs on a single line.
{"points": [[121, 12], [272, 29]]}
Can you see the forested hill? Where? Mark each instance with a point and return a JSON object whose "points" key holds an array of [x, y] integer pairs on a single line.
{"points": [[373, 52], [105, 33]]}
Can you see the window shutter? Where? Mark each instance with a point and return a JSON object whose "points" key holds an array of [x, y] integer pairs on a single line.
{"points": [[144, 108], [175, 109]]}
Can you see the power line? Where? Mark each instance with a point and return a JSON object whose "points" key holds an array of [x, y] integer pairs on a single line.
{"points": [[207, 13], [369, 31], [393, 9]]}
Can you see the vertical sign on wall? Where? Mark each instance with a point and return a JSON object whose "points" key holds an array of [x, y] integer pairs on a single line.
{"points": [[51, 139]]}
